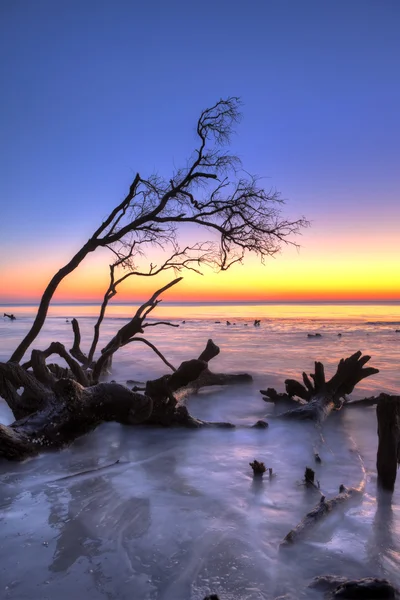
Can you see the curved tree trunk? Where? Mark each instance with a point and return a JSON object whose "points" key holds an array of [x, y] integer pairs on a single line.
{"points": [[92, 244], [46, 299]]}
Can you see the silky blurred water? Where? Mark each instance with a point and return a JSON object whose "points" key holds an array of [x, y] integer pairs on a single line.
{"points": [[180, 515]]}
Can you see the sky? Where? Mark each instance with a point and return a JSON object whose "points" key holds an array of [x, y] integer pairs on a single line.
{"points": [[94, 91]]}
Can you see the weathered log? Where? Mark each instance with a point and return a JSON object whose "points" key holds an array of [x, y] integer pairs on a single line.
{"points": [[35, 396], [207, 379], [369, 588], [71, 411], [61, 410], [194, 375], [370, 401], [324, 396], [388, 455], [323, 508]]}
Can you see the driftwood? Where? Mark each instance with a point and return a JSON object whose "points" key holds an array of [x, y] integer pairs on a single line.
{"points": [[53, 412], [319, 396], [281, 401], [369, 588], [11, 317], [388, 455], [321, 510], [369, 401]]}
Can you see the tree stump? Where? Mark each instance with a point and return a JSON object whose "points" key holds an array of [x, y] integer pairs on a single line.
{"points": [[388, 455]]}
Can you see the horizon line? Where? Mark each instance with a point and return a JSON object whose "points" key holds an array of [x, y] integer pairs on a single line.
{"points": [[207, 302]]}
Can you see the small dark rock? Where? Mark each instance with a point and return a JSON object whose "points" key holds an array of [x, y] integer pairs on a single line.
{"points": [[366, 589], [261, 425]]}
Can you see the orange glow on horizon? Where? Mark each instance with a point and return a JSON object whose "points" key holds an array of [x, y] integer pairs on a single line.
{"points": [[322, 271]]}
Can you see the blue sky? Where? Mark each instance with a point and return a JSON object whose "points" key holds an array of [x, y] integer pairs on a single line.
{"points": [[93, 91]]}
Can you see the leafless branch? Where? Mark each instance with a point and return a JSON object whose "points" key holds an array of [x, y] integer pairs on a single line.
{"points": [[140, 339], [212, 191]]}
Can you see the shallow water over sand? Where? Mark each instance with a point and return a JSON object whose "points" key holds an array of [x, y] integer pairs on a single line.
{"points": [[179, 515]]}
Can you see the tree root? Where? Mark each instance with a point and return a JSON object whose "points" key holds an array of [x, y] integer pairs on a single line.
{"points": [[321, 396]]}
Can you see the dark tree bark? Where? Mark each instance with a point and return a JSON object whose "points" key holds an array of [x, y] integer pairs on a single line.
{"points": [[207, 192], [321, 396], [321, 510], [54, 411], [127, 333], [72, 410], [76, 351], [388, 455]]}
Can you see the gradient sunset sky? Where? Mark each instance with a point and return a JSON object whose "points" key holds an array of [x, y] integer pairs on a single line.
{"points": [[95, 90]]}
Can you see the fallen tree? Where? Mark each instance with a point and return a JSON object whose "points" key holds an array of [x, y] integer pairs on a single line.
{"points": [[208, 192], [58, 403], [63, 409], [315, 398]]}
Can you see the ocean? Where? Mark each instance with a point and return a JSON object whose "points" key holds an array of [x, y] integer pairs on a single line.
{"points": [[180, 516]]}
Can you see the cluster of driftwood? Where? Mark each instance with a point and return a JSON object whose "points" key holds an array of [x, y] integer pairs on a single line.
{"points": [[54, 405], [315, 399]]}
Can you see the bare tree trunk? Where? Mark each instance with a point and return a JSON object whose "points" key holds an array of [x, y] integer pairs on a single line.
{"points": [[92, 244], [388, 455], [46, 299]]}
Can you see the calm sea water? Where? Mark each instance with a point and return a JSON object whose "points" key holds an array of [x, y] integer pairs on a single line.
{"points": [[180, 516]]}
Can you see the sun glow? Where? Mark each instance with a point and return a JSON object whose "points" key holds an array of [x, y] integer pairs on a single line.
{"points": [[322, 270]]}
